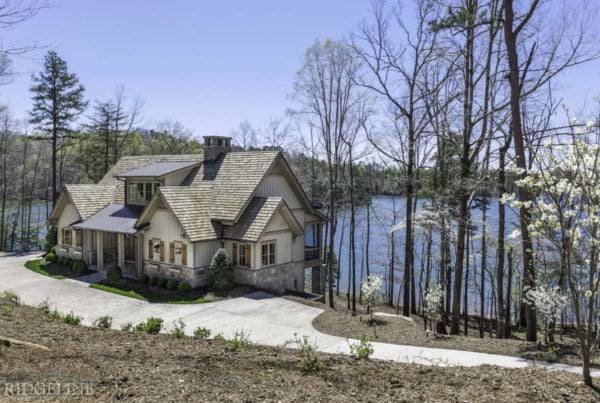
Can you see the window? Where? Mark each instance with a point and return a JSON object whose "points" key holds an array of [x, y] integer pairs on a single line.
{"points": [[66, 236], [156, 250], [268, 253], [141, 192], [78, 238], [242, 256], [177, 252]]}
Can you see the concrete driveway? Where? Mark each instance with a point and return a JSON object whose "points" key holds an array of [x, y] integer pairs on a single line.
{"points": [[269, 320]]}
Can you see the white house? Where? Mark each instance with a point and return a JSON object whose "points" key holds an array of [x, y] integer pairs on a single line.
{"points": [[166, 216]]}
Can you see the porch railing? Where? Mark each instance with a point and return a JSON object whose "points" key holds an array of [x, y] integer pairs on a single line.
{"points": [[312, 253]]}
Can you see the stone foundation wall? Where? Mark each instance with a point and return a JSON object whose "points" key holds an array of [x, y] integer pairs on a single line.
{"points": [[275, 279], [197, 277]]}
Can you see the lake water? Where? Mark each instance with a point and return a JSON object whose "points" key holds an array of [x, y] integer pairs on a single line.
{"points": [[381, 223]]}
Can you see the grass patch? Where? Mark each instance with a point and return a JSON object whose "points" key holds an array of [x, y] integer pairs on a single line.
{"points": [[151, 295], [54, 270]]}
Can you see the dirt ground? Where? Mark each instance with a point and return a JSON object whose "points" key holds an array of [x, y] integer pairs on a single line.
{"points": [[106, 365], [391, 328]]}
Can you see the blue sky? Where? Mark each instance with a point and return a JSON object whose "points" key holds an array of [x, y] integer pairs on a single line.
{"points": [[207, 64]]}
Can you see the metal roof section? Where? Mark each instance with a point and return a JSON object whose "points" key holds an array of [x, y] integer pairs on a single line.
{"points": [[158, 169], [113, 218]]}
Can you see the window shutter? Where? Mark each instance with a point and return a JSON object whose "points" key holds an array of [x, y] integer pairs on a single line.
{"points": [[234, 260], [150, 250], [162, 251], [248, 256], [171, 253], [184, 255], [62, 237]]}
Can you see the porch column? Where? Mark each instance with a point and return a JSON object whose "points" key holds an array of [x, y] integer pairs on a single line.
{"points": [[139, 254], [121, 251], [99, 251]]}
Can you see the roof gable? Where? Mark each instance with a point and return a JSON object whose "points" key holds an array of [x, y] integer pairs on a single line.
{"points": [[87, 199]]}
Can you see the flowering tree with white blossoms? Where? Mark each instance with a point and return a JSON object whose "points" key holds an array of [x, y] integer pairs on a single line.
{"points": [[548, 301], [370, 289], [565, 215], [434, 304]]}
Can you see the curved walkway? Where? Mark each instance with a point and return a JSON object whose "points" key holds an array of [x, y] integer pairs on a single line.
{"points": [[269, 320]]}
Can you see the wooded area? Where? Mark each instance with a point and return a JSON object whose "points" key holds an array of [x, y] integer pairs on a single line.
{"points": [[447, 103]]}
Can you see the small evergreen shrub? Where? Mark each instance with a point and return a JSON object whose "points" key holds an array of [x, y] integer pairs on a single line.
{"points": [[220, 272], [60, 260], [201, 333], [162, 283], [184, 286], [53, 250], [144, 278], [153, 280], [219, 337], [72, 319], [80, 267], [67, 261], [172, 284], [114, 274], [51, 257], [151, 326], [104, 322]]}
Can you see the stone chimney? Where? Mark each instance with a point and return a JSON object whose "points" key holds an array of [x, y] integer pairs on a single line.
{"points": [[214, 146]]}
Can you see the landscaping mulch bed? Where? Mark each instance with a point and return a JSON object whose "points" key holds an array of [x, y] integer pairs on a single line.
{"points": [[107, 365]]}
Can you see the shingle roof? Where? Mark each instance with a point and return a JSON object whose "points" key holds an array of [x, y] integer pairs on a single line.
{"points": [[88, 199], [232, 180], [254, 220], [113, 218], [158, 169], [131, 162], [191, 206]]}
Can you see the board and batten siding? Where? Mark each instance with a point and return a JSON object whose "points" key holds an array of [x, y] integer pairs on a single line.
{"points": [[204, 252], [164, 226], [68, 216], [277, 185], [283, 248]]}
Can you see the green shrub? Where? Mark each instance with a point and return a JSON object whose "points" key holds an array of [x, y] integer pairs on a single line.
{"points": [[184, 286], [179, 331], [80, 267], [151, 326], [60, 260], [104, 322], [219, 336], [309, 362], [363, 349], [144, 278], [127, 327], [162, 283], [11, 298], [71, 319], [114, 274], [220, 272], [51, 257], [239, 341], [67, 261], [153, 280], [201, 333], [172, 284], [53, 250], [51, 239], [73, 263]]}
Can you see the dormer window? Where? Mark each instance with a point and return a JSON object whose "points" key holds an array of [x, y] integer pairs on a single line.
{"points": [[140, 193]]}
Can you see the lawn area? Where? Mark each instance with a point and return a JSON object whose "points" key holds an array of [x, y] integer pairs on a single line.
{"points": [[152, 294], [54, 270]]}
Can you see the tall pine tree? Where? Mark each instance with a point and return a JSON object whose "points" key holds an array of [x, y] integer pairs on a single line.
{"points": [[57, 101]]}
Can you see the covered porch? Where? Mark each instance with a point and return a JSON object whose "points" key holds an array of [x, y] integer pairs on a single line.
{"points": [[110, 239]]}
